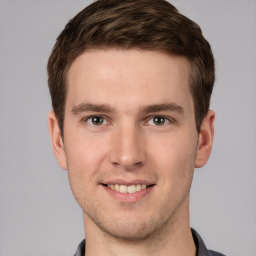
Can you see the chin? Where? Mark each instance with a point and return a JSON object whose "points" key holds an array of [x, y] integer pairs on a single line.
{"points": [[131, 232], [129, 229]]}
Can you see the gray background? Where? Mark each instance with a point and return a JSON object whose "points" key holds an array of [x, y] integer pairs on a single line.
{"points": [[38, 215]]}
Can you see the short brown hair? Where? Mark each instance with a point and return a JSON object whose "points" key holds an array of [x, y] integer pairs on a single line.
{"points": [[144, 24]]}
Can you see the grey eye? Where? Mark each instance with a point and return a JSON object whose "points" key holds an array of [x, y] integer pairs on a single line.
{"points": [[96, 120], [158, 120]]}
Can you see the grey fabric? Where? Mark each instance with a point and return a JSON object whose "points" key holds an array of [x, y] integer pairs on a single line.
{"points": [[81, 249], [200, 251]]}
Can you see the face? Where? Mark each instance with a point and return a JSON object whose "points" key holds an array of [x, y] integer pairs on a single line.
{"points": [[130, 140]]}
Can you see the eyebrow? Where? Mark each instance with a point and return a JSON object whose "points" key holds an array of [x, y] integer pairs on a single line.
{"points": [[105, 108], [86, 107], [173, 107]]}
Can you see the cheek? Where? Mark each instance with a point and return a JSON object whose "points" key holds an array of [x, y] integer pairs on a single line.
{"points": [[174, 156], [84, 149], [85, 155], [84, 159]]}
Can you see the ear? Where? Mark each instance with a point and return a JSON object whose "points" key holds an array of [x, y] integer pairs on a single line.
{"points": [[205, 140], [56, 139]]}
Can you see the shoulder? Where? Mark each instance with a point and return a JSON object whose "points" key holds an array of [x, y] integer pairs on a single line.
{"points": [[201, 247], [80, 249], [213, 253]]}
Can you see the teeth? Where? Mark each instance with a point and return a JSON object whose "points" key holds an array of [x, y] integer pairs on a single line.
{"points": [[127, 189], [123, 189], [132, 189], [138, 188]]}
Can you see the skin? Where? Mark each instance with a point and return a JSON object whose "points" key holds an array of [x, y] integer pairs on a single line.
{"points": [[127, 145]]}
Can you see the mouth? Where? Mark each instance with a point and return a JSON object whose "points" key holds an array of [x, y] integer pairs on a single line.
{"points": [[131, 192], [124, 189], [128, 189]]}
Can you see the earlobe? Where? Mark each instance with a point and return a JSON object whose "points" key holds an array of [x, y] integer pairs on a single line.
{"points": [[205, 139], [56, 140]]}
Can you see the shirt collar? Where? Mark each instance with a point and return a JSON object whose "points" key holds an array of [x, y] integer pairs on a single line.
{"points": [[201, 249]]}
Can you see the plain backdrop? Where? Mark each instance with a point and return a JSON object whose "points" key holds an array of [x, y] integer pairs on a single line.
{"points": [[38, 214]]}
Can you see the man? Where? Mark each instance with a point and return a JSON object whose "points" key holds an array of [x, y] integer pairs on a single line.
{"points": [[131, 82]]}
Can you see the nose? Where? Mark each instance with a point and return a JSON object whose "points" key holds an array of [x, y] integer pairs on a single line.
{"points": [[128, 148]]}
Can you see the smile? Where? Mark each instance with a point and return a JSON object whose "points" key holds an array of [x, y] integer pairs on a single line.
{"points": [[127, 189]]}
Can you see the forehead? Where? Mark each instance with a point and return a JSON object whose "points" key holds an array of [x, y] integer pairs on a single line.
{"points": [[120, 76]]}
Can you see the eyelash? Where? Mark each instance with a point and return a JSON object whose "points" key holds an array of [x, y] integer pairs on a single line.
{"points": [[166, 119], [162, 118], [84, 120]]}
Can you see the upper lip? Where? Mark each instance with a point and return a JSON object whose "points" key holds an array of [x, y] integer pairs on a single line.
{"points": [[127, 182]]}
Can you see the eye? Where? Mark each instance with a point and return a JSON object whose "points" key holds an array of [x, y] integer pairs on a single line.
{"points": [[96, 120], [158, 121]]}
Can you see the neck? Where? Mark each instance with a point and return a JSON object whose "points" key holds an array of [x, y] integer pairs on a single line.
{"points": [[175, 238]]}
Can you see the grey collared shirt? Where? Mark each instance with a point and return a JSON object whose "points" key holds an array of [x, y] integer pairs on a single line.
{"points": [[201, 249]]}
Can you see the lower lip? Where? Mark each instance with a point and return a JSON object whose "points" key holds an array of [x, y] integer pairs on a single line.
{"points": [[129, 197]]}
